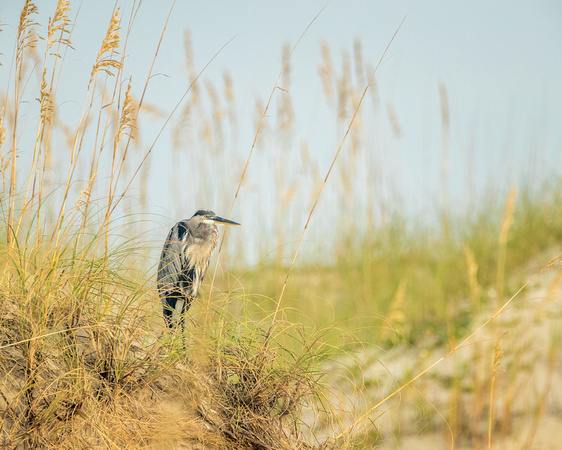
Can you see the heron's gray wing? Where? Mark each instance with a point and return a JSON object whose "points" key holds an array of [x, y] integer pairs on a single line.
{"points": [[173, 273]]}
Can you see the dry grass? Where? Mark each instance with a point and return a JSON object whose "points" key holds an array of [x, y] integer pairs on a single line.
{"points": [[104, 379]]}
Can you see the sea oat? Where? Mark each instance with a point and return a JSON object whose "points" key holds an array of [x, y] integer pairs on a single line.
{"points": [[326, 71], [46, 100], [110, 44], [472, 268], [506, 226], [59, 23], [498, 355], [25, 35], [128, 115]]}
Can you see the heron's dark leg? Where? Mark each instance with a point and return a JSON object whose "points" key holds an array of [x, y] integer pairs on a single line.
{"points": [[169, 305], [184, 309]]}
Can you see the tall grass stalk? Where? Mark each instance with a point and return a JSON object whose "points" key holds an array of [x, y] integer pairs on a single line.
{"points": [[25, 40], [498, 355], [504, 233]]}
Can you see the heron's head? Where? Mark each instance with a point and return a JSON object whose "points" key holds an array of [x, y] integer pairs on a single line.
{"points": [[209, 217]]}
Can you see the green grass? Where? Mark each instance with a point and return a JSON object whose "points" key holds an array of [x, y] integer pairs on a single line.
{"points": [[408, 284]]}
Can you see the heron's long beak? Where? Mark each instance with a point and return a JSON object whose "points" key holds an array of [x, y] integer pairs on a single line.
{"points": [[218, 219]]}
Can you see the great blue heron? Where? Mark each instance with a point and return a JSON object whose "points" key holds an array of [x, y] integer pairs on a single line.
{"points": [[184, 261]]}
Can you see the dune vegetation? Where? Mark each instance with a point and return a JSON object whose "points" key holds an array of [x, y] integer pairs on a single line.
{"points": [[440, 333]]}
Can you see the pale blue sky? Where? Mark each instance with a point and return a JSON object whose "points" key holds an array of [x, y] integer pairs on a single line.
{"points": [[500, 61]]}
